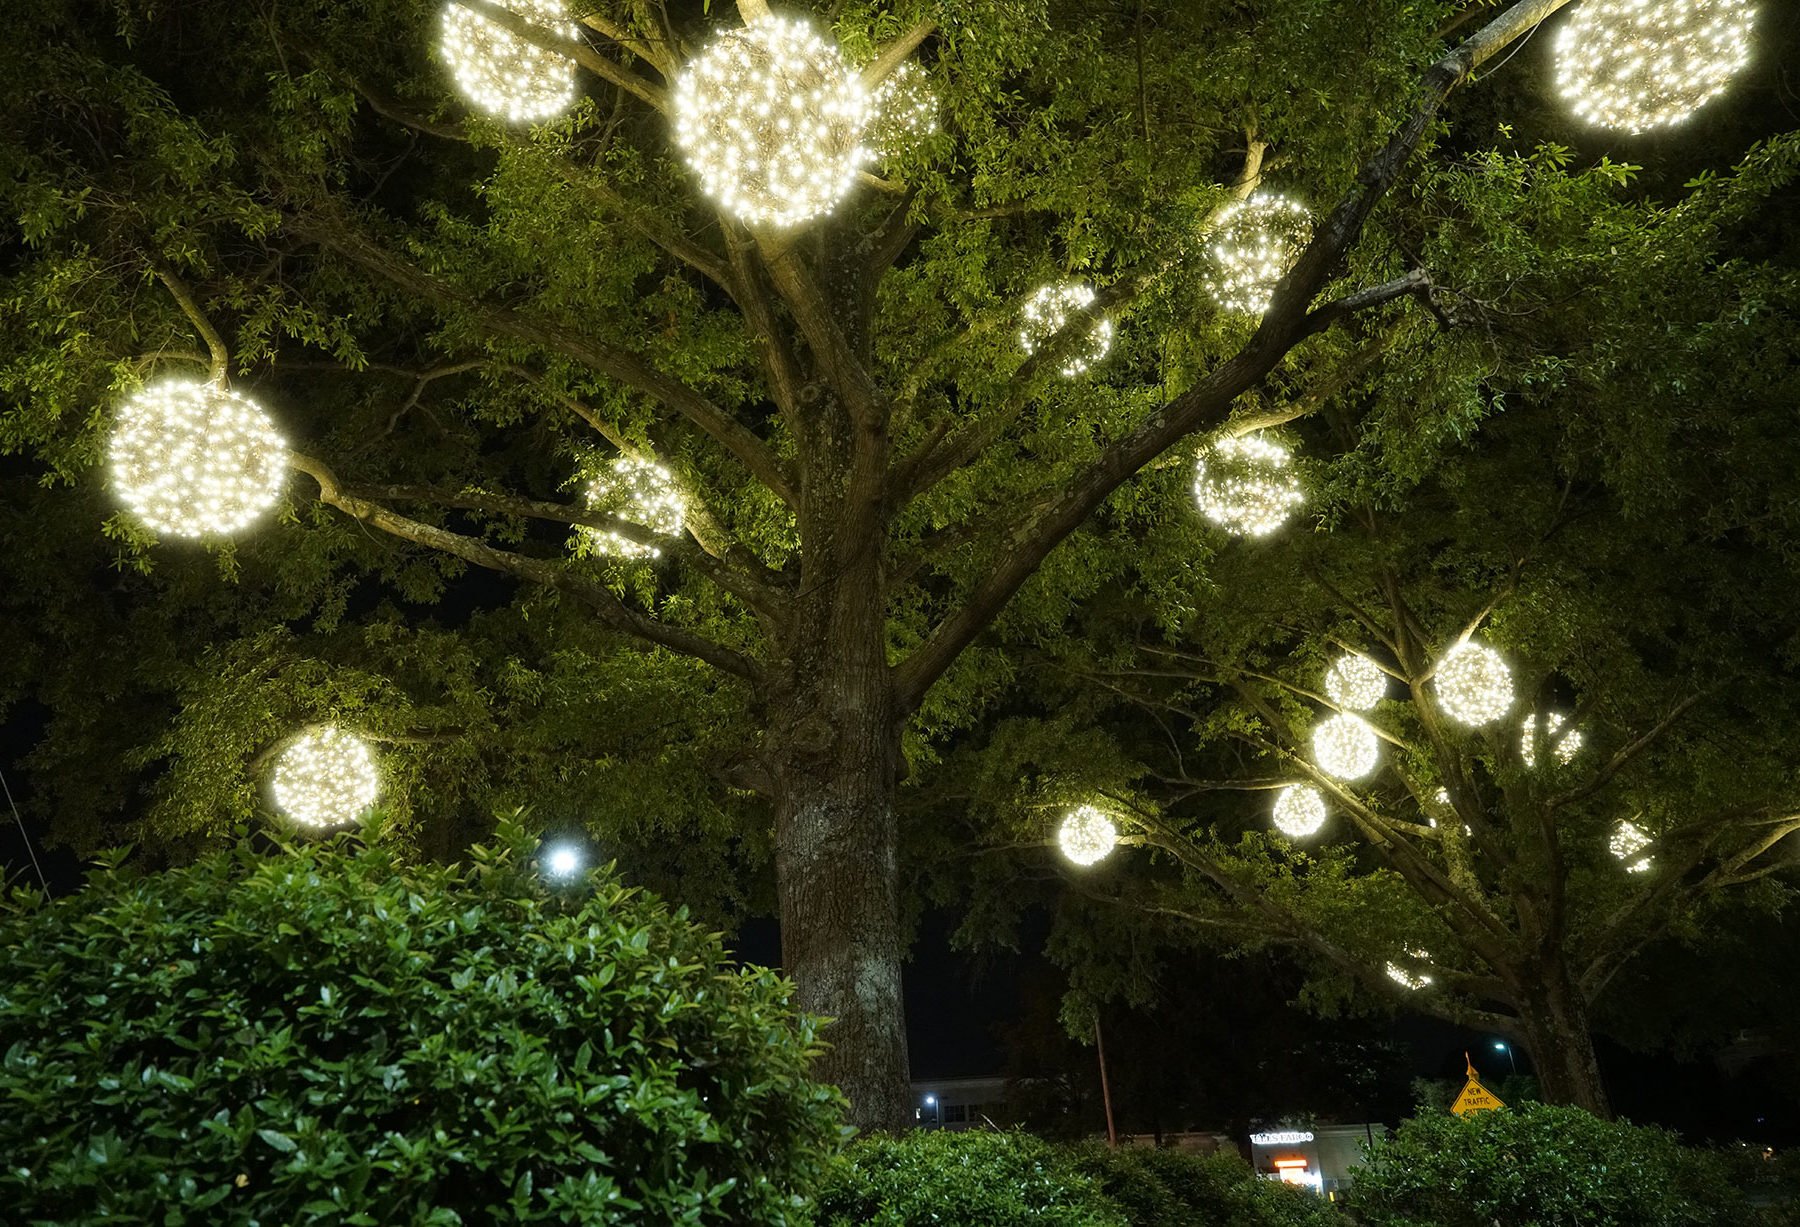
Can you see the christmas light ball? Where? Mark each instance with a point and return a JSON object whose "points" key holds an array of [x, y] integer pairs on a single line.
{"points": [[903, 111], [1254, 244], [1355, 681], [771, 118], [1086, 835], [195, 460], [1564, 747], [1246, 484], [1299, 811], [1627, 843], [1407, 978], [642, 492], [1635, 65], [326, 778], [502, 74], [1474, 685], [1049, 309], [1346, 747]]}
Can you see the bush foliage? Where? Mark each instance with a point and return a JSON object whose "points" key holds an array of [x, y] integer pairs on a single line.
{"points": [[331, 1036]]}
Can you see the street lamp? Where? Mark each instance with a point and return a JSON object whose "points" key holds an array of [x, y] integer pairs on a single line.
{"points": [[1503, 1046], [563, 861], [931, 1102]]}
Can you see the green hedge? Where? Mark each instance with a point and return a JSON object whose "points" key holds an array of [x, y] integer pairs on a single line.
{"points": [[330, 1036]]}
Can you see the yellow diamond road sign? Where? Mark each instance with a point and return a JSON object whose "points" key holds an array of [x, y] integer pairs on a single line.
{"points": [[1475, 1097]]}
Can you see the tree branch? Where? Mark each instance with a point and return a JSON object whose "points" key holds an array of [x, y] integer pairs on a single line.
{"points": [[179, 290], [877, 70]]}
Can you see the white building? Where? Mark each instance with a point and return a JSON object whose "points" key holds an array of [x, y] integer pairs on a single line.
{"points": [[1323, 1158]]}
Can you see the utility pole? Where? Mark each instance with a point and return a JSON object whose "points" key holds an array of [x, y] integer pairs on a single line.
{"points": [[1112, 1133]]}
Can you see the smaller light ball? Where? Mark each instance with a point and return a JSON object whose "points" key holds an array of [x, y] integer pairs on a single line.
{"points": [[195, 460], [1049, 309], [642, 492], [1406, 977], [563, 861], [326, 778], [1628, 841], [1474, 685], [1246, 484], [502, 74], [1565, 747], [1299, 811], [1355, 682], [1086, 836], [903, 111], [1255, 243], [1636, 65], [1346, 747]]}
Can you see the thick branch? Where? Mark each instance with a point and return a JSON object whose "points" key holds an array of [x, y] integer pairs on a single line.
{"points": [[183, 295], [878, 69]]}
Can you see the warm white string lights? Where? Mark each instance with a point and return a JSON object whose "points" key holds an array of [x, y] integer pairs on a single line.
{"points": [[1474, 685], [1406, 977], [1635, 65], [771, 119], [1627, 843], [642, 492], [1254, 244], [1086, 836], [195, 460], [1049, 309], [504, 75], [326, 778], [1355, 681], [1565, 746], [1299, 811], [903, 111], [1246, 484], [1346, 747]]}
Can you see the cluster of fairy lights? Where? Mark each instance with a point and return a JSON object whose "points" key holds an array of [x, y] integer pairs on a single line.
{"points": [[1299, 811], [1627, 843], [903, 111], [1565, 746], [1635, 65], [326, 778], [1406, 977], [642, 492], [1254, 244], [1086, 835], [503, 74], [1345, 746], [1246, 484], [195, 460], [1356, 682], [771, 119], [1474, 685], [1048, 310]]}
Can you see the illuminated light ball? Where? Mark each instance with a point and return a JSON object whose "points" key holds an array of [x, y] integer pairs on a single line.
{"points": [[1474, 685], [1355, 681], [1407, 978], [1246, 484], [1254, 244], [195, 460], [771, 119], [502, 74], [1627, 843], [1565, 747], [1086, 835], [326, 778], [1635, 65], [642, 492], [1299, 811], [563, 861], [903, 111], [1346, 747], [1049, 309]]}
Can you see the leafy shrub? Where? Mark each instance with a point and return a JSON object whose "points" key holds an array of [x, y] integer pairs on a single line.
{"points": [[329, 1036], [1173, 1188], [1543, 1166]]}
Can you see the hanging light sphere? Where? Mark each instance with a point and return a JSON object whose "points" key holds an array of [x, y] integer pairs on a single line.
{"points": [[1565, 747], [502, 74], [326, 778], [771, 119], [1049, 309], [1474, 686], [1407, 978], [1299, 811], [1086, 835], [1355, 681], [642, 492], [903, 111], [1345, 746], [1627, 842], [195, 460], [1246, 484], [1254, 244], [1635, 65]]}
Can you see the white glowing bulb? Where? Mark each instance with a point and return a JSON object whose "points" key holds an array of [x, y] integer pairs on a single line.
{"points": [[1299, 811], [1086, 835], [1565, 747], [1254, 244], [903, 111], [771, 119], [1634, 65], [563, 861], [1355, 682], [1049, 309], [1407, 978], [1474, 685], [504, 75], [1246, 484], [194, 460], [1628, 840], [1346, 747], [642, 492], [325, 778]]}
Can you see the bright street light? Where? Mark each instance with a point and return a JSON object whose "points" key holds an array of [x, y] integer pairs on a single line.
{"points": [[563, 861]]}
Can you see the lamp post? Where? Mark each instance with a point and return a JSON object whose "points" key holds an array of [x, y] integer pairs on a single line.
{"points": [[1503, 1046]]}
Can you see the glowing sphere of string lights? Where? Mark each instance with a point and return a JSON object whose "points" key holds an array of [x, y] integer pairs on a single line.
{"points": [[1086, 835], [1565, 746], [326, 778], [195, 460], [1299, 811], [903, 111], [1355, 681], [1474, 685], [1627, 843], [504, 75], [1254, 244], [1634, 65], [1049, 309], [1406, 977], [642, 492], [1246, 484], [771, 118], [1345, 746]]}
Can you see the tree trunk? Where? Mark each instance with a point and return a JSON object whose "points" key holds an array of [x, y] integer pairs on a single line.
{"points": [[1555, 1024]]}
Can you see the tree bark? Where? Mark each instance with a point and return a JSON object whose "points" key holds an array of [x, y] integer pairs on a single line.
{"points": [[1554, 1019]]}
